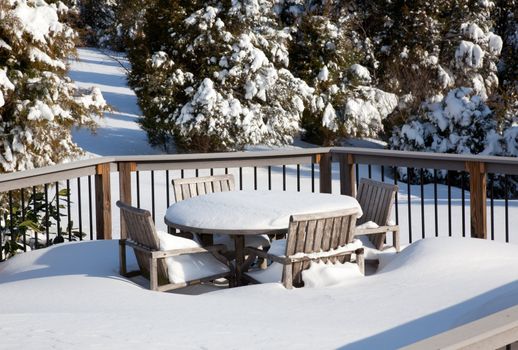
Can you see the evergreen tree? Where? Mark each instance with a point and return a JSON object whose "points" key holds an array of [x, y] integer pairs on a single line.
{"points": [[213, 75], [39, 104]]}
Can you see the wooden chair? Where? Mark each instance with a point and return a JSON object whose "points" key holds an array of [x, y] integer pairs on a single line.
{"points": [[312, 237], [142, 237], [376, 200], [195, 186]]}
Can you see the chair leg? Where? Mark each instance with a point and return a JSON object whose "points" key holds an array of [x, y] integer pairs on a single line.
{"points": [[287, 276], [395, 239], [153, 274], [360, 260], [122, 257]]}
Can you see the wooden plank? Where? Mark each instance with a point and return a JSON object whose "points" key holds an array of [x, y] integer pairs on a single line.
{"points": [[325, 173], [491, 332], [347, 175], [103, 213], [125, 170], [477, 189]]}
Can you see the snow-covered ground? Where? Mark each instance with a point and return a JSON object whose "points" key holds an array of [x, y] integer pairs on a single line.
{"points": [[70, 297], [118, 132]]}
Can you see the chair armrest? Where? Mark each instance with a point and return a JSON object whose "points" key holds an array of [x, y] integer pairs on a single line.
{"points": [[373, 231], [263, 254], [159, 254]]}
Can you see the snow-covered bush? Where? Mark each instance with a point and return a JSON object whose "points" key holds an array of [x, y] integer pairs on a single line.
{"points": [[325, 52], [39, 104], [213, 74]]}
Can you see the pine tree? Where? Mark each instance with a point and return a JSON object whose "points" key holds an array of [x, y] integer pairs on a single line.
{"points": [[327, 53], [212, 75], [39, 104]]}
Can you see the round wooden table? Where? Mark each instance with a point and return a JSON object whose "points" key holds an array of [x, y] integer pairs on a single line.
{"points": [[241, 213]]}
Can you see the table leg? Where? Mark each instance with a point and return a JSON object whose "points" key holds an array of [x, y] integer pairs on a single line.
{"points": [[239, 244]]}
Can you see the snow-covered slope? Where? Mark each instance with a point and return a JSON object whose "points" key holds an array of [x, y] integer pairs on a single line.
{"points": [[118, 132]]}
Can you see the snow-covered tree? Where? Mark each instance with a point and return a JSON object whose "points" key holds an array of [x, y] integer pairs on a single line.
{"points": [[214, 75], [326, 52], [39, 104]]}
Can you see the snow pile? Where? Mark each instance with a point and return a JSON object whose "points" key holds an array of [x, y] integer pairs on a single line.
{"points": [[190, 266], [322, 274], [430, 287]]}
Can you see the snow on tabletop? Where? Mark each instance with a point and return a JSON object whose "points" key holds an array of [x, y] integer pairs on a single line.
{"points": [[253, 210], [433, 285]]}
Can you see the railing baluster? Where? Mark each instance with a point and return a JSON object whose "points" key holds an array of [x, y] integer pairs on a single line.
{"points": [[448, 181], [396, 202], [58, 214], [79, 211], [506, 199], [11, 218], [436, 211], [269, 178], [421, 175], [313, 177], [369, 169], [34, 204], [240, 178], [357, 169], [47, 221], [153, 194], [167, 194], [409, 199], [69, 213], [492, 209], [298, 177], [382, 173], [22, 200], [90, 205], [255, 178], [138, 188], [284, 177], [462, 174]]}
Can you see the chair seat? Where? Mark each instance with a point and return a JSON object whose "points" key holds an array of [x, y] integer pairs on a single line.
{"points": [[273, 274], [371, 253], [256, 241], [190, 266]]}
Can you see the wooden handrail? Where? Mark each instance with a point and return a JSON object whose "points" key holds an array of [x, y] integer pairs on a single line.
{"points": [[491, 332]]}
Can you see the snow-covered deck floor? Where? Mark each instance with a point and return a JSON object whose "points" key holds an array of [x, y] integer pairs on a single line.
{"points": [[70, 296]]}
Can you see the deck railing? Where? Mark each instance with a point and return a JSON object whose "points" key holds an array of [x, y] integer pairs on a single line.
{"points": [[425, 206]]}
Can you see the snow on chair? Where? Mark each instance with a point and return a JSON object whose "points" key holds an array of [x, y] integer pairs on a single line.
{"points": [[376, 200], [169, 262], [326, 237]]}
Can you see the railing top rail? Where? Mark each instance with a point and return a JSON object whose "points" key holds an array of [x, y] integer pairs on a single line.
{"points": [[223, 155], [53, 169], [425, 155]]}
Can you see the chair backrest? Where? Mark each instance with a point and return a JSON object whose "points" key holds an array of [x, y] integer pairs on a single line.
{"points": [[141, 229], [313, 233], [195, 186], [376, 200]]}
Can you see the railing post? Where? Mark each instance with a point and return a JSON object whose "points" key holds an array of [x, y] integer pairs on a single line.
{"points": [[103, 210], [324, 161], [347, 175], [125, 169], [477, 194]]}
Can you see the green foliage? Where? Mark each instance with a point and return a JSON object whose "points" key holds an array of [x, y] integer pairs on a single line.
{"points": [[25, 223]]}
